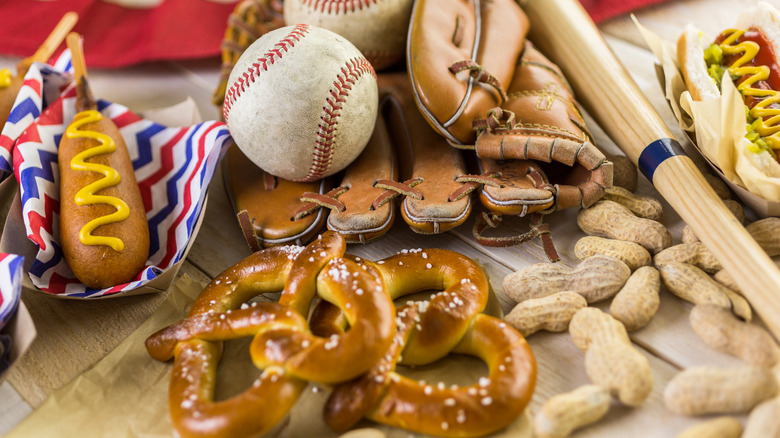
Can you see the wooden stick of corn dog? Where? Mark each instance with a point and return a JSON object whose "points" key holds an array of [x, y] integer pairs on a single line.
{"points": [[565, 33], [51, 43], [10, 85]]}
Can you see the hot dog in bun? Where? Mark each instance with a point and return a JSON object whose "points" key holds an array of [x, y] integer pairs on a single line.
{"points": [[749, 54]]}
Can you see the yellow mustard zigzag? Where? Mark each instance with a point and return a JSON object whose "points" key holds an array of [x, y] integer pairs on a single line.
{"points": [[87, 196], [768, 118], [5, 78]]}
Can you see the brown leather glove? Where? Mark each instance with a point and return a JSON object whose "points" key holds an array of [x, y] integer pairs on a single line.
{"points": [[540, 122], [266, 206], [250, 189], [273, 211], [361, 209], [532, 144], [460, 55], [406, 162], [436, 187]]}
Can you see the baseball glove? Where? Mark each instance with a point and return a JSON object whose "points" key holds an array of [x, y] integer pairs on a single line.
{"points": [[361, 208], [300, 210], [436, 183], [405, 162], [487, 89], [252, 191]]}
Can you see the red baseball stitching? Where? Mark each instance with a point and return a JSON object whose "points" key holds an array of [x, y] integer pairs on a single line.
{"points": [[338, 6], [323, 151], [262, 63]]}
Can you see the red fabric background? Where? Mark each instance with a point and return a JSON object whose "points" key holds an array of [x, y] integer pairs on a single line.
{"points": [[115, 36], [177, 29], [601, 10]]}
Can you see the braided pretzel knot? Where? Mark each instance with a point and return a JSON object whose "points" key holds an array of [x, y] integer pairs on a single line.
{"points": [[283, 346], [448, 314], [450, 322]]}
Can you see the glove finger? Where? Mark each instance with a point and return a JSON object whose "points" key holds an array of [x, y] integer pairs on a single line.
{"points": [[517, 193], [539, 121], [251, 191], [434, 197], [369, 210]]}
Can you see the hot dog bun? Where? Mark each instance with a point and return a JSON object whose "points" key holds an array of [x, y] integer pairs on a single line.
{"points": [[690, 56], [692, 43]]}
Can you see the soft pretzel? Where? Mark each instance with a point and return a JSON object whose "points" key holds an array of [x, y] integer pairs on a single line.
{"points": [[478, 409], [194, 413], [464, 293], [449, 322], [283, 345], [372, 327], [355, 294], [350, 402]]}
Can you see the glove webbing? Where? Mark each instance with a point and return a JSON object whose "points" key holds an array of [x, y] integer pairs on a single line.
{"points": [[478, 73], [330, 200], [394, 189], [497, 118], [245, 221]]}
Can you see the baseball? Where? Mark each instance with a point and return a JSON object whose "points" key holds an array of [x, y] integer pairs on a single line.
{"points": [[301, 102], [377, 27]]}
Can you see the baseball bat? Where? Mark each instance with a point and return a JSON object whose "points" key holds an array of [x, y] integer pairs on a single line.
{"points": [[565, 33]]}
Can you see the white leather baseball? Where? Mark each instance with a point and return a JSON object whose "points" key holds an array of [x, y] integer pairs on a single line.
{"points": [[301, 102], [377, 27]]}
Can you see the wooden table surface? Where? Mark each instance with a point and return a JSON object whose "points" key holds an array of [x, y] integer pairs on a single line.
{"points": [[73, 335]]}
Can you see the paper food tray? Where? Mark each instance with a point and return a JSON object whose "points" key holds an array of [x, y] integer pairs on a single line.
{"points": [[173, 167]]}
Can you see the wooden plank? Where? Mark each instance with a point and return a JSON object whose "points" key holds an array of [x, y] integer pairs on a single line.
{"points": [[74, 334], [13, 408], [561, 369]]}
